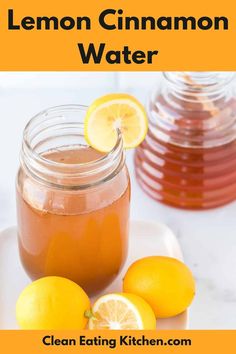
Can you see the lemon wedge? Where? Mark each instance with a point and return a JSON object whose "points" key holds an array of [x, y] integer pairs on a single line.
{"points": [[111, 113], [122, 311]]}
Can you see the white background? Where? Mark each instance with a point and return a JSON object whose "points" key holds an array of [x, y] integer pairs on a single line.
{"points": [[208, 239]]}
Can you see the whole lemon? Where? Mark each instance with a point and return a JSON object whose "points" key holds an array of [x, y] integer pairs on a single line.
{"points": [[164, 282], [52, 303]]}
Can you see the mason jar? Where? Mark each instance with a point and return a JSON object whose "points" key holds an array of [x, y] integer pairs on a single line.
{"points": [[72, 202]]}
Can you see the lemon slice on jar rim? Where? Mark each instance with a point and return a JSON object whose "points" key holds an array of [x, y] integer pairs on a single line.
{"points": [[112, 113], [122, 311]]}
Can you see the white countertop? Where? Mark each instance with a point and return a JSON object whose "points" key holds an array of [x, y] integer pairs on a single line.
{"points": [[208, 239]]}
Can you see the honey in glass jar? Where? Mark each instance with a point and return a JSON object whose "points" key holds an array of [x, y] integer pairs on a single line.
{"points": [[188, 159]]}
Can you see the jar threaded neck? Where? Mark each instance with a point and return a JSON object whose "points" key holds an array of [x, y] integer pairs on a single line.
{"points": [[60, 128]]}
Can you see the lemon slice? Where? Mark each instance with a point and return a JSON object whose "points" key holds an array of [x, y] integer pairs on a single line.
{"points": [[111, 113], [122, 311]]}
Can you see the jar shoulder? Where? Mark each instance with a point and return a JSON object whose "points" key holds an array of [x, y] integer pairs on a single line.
{"points": [[44, 198]]}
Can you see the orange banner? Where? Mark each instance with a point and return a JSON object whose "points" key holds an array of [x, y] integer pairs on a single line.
{"points": [[193, 342], [117, 35]]}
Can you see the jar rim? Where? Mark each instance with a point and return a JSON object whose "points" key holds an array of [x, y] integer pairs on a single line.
{"points": [[52, 171], [199, 82], [66, 107]]}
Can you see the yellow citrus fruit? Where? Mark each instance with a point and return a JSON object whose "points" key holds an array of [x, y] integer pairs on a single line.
{"points": [[52, 303], [112, 113], [165, 283], [122, 311]]}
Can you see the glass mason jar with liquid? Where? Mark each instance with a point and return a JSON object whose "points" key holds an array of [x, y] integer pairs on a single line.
{"points": [[188, 159], [72, 202]]}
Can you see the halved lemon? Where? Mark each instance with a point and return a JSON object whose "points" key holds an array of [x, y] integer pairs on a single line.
{"points": [[111, 113], [122, 311]]}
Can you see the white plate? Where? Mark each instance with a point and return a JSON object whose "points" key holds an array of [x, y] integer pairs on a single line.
{"points": [[146, 238]]}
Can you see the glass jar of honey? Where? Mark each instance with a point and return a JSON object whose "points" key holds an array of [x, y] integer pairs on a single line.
{"points": [[188, 159], [72, 202]]}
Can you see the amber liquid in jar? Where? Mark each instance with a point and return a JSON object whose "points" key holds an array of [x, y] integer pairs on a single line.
{"points": [[80, 234], [188, 159]]}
